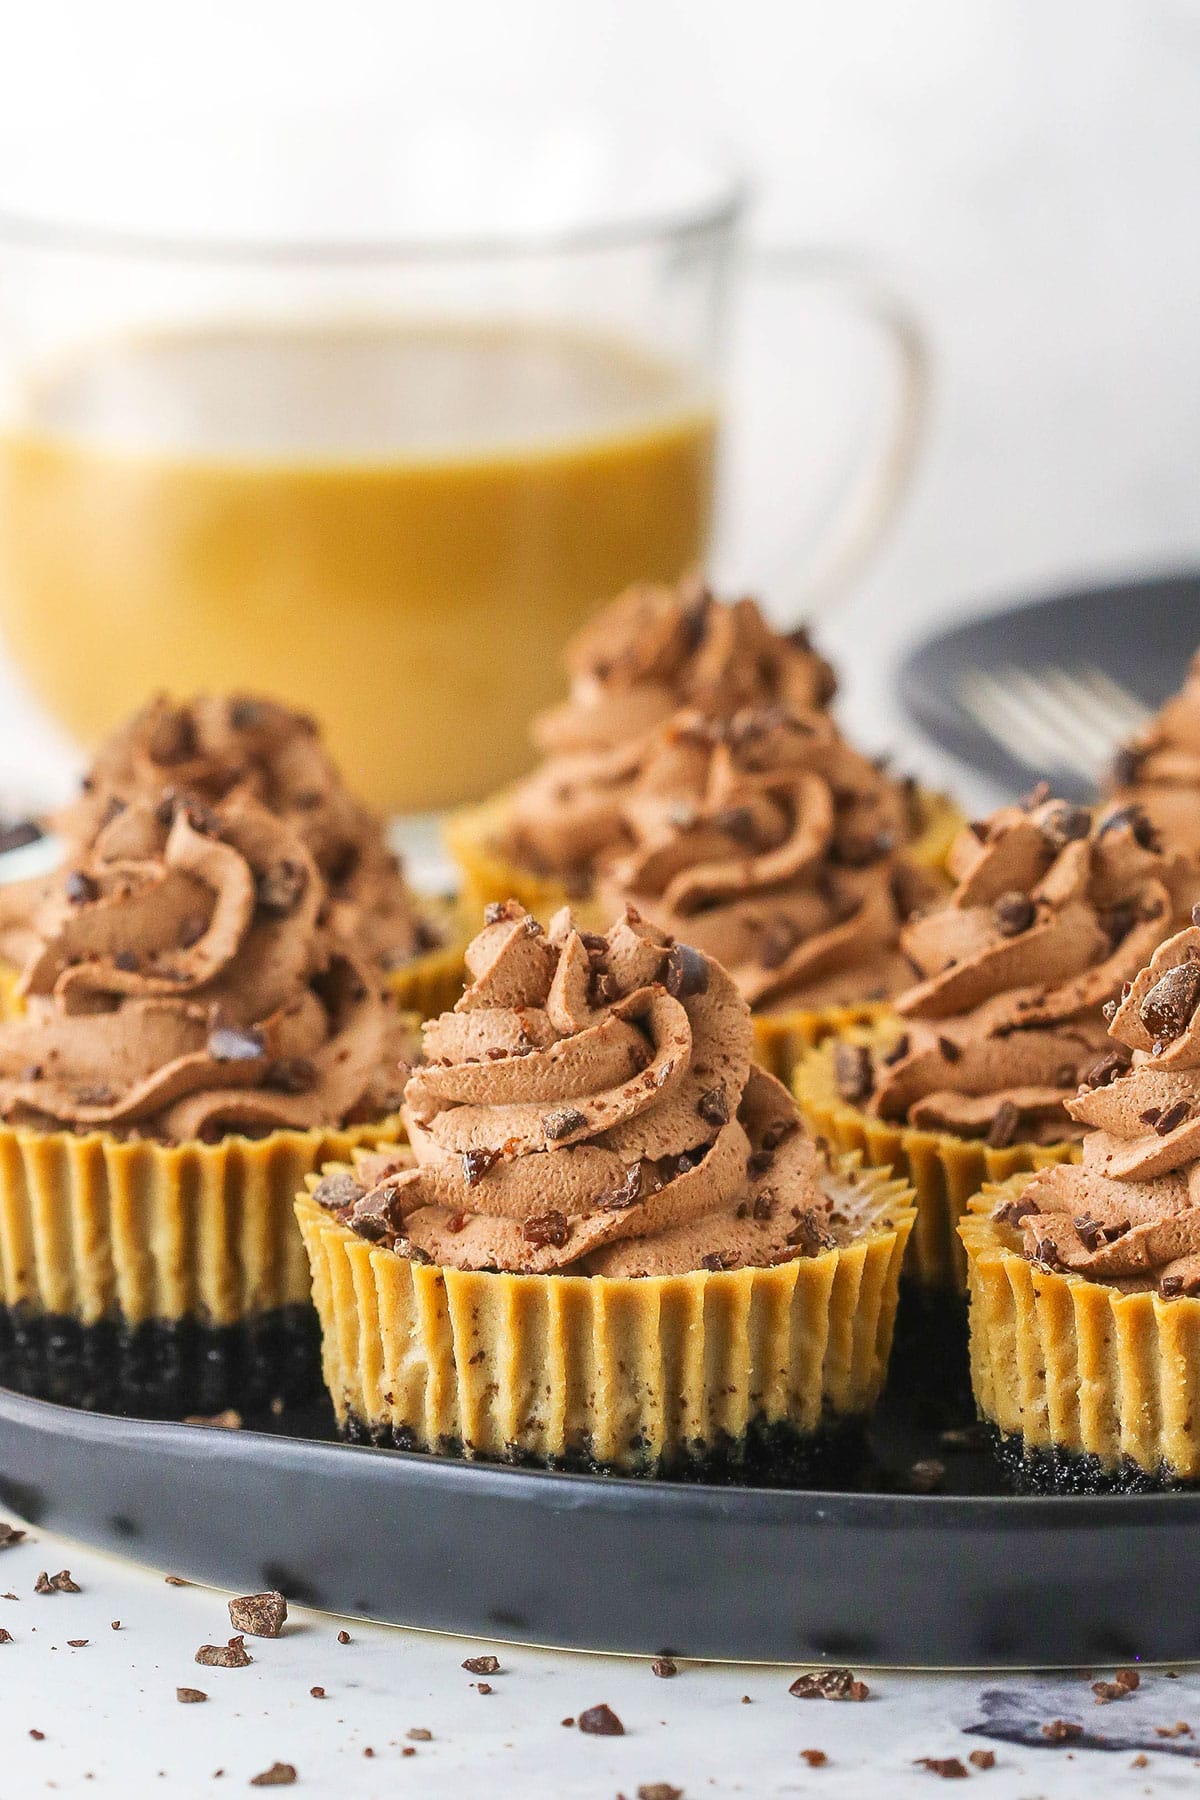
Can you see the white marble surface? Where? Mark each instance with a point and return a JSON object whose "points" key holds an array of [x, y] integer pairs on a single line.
{"points": [[112, 1726]]}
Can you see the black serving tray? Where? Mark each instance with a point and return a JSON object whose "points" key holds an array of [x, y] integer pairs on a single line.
{"points": [[969, 1577], [1140, 631]]}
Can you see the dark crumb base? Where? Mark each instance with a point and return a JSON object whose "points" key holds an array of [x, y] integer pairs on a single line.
{"points": [[929, 1375], [1058, 1471], [772, 1454], [165, 1367]]}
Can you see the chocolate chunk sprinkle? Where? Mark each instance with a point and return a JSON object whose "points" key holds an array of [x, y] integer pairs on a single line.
{"points": [[1134, 820], [1111, 1064], [1167, 1009], [1014, 913], [280, 889], [337, 1191], [686, 972], [713, 1107], [80, 888], [809, 1235], [1004, 1127], [232, 1655], [1174, 1115], [260, 1615], [853, 1072], [190, 1696], [601, 1721], [476, 1163], [548, 1228], [280, 1774], [1063, 824], [230, 1044], [563, 1122], [948, 1767], [1011, 1212], [829, 1684], [482, 1665]]}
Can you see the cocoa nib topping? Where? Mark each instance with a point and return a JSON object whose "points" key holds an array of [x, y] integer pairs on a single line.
{"points": [[1011, 1212], [563, 1122], [1013, 913], [686, 972], [1112, 1064], [1173, 1116], [1094, 1234], [601, 1721], [853, 1072], [338, 1191], [829, 1684], [259, 1615], [1167, 1009]]}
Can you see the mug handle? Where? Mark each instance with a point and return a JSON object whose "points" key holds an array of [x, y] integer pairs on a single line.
{"points": [[831, 555]]}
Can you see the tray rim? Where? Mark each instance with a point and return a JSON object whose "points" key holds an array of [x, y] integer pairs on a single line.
{"points": [[900, 1511]]}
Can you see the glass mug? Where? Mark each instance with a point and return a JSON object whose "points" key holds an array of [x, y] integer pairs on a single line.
{"points": [[370, 419]]}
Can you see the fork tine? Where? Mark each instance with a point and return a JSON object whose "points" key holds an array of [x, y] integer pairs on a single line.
{"points": [[1024, 730], [1082, 714], [1125, 706]]}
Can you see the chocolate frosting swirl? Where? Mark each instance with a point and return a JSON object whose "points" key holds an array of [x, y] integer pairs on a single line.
{"points": [[186, 982], [216, 749], [1159, 770], [653, 652], [1054, 910], [591, 1105], [771, 845], [1130, 1213]]}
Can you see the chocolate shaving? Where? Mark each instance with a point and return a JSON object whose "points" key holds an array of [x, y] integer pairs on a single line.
{"points": [[1011, 1212], [713, 1107], [809, 1235], [1172, 1117], [1112, 1063]]}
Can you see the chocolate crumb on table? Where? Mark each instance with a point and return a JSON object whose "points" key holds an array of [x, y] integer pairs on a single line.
{"points": [[1140, 1761], [343, 1637], [232, 1655], [816, 1759], [1179, 1729], [948, 1767], [318, 1693], [261, 1615], [38, 1736], [982, 1759], [280, 1774], [76, 1643], [482, 1665], [176, 1581], [6, 1637], [829, 1684], [601, 1721], [419, 1734], [1124, 1682], [10, 1535], [1061, 1731], [190, 1696], [665, 1667], [659, 1790], [483, 1687], [56, 1584]]}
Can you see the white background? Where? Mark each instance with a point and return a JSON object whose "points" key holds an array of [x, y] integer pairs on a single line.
{"points": [[1027, 170]]}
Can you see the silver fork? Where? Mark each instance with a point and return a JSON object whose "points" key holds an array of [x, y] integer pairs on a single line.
{"points": [[1067, 720]]}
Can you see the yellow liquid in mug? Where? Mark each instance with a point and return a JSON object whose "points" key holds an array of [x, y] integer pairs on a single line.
{"points": [[396, 528]]}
